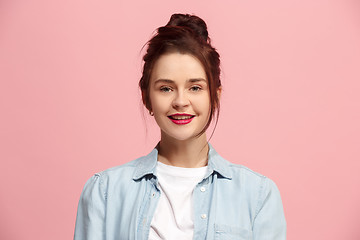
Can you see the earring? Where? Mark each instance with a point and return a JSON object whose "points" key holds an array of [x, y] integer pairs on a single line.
{"points": [[151, 113]]}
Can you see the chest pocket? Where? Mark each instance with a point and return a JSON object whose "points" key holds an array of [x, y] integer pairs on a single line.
{"points": [[226, 232]]}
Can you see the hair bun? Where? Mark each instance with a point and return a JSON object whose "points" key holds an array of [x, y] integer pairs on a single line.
{"points": [[196, 24]]}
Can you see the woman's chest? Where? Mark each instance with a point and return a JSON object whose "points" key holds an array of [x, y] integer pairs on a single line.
{"points": [[218, 212]]}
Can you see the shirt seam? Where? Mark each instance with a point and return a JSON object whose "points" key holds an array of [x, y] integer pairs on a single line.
{"points": [[260, 200]]}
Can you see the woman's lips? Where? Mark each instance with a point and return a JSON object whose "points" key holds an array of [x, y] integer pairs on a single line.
{"points": [[181, 119]]}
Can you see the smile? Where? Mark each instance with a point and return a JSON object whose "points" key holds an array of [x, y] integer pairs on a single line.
{"points": [[181, 118]]}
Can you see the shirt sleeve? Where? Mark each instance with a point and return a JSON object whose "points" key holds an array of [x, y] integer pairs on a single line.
{"points": [[90, 219], [269, 223]]}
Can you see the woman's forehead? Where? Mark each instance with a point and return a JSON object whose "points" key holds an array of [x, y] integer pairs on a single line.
{"points": [[178, 65]]}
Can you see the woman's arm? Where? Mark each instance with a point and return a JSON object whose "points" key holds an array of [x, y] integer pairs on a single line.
{"points": [[269, 223], [90, 219]]}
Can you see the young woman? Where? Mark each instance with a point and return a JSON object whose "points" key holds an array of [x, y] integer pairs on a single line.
{"points": [[183, 189]]}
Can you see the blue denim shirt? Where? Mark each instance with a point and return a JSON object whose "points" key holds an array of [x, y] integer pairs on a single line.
{"points": [[237, 203]]}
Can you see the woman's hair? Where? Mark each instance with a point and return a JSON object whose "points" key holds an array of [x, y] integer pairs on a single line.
{"points": [[186, 34]]}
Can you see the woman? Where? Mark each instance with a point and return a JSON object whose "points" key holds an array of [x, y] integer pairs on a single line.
{"points": [[183, 189]]}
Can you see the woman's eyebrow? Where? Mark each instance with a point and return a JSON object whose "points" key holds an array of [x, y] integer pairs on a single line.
{"points": [[191, 80], [163, 81]]}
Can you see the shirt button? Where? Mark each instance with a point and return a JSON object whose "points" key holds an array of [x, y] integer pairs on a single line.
{"points": [[203, 189], [203, 216]]}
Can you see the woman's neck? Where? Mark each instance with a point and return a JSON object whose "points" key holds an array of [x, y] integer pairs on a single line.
{"points": [[190, 153]]}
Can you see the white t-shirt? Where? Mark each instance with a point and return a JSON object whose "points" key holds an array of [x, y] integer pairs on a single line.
{"points": [[173, 218]]}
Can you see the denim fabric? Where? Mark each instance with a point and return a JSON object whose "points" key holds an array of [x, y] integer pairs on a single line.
{"points": [[231, 202]]}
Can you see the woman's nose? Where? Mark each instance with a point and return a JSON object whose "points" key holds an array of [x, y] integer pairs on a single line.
{"points": [[180, 100]]}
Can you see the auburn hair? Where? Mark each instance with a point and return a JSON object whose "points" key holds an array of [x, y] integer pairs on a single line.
{"points": [[186, 34]]}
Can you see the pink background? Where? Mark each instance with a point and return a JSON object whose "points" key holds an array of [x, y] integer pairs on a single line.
{"points": [[70, 105]]}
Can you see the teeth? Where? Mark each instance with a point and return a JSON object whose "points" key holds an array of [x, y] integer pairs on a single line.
{"points": [[181, 117]]}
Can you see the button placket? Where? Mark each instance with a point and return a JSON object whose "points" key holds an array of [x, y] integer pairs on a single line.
{"points": [[201, 206]]}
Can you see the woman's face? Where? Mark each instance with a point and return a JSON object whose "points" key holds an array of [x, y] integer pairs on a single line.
{"points": [[179, 96]]}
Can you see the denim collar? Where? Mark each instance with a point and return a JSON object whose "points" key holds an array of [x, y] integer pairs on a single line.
{"points": [[147, 165]]}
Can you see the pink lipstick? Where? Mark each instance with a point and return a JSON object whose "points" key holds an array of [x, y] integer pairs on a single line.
{"points": [[181, 118]]}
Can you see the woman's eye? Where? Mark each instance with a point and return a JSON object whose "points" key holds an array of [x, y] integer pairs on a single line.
{"points": [[195, 88], [165, 89]]}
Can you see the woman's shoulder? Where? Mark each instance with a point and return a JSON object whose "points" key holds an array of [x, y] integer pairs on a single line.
{"points": [[255, 185], [244, 173], [240, 175], [130, 170], [128, 166], [231, 170], [248, 179], [250, 185], [240, 171], [125, 170]]}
